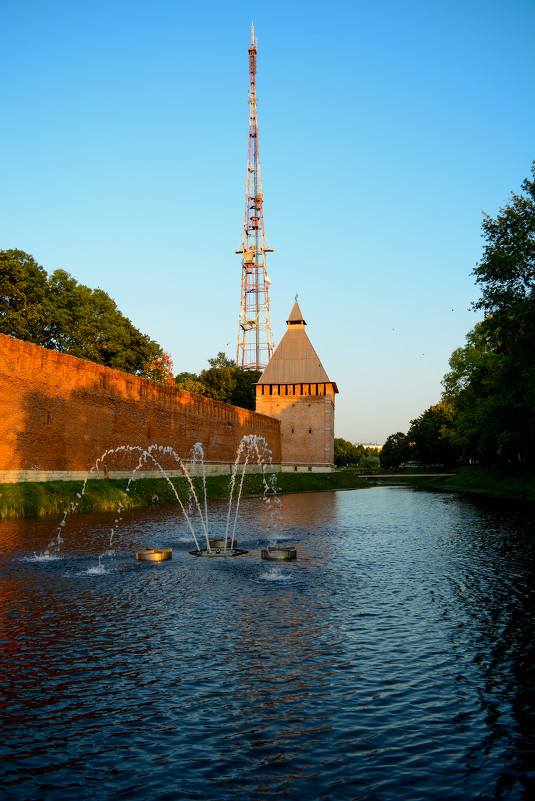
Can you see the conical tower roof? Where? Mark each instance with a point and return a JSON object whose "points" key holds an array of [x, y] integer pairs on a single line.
{"points": [[295, 361], [295, 315]]}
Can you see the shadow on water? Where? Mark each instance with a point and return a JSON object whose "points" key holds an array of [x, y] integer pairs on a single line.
{"points": [[491, 581]]}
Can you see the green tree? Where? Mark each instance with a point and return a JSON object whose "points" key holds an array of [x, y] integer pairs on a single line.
{"points": [[184, 377], [190, 382], [88, 324], [506, 273], [494, 402], [488, 411], [428, 437], [23, 297], [395, 451], [223, 381], [345, 453], [219, 380], [370, 461], [244, 392], [59, 313], [342, 451]]}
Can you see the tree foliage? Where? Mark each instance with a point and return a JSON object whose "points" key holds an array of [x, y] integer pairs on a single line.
{"points": [[428, 438], [23, 297], [160, 369], [395, 451], [506, 273], [491, 383], [345, 453], [57, 312], [487, 414], [491, 420], [223, 381]]}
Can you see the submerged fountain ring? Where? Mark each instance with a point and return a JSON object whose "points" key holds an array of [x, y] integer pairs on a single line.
{"points": [[154, 554], [221, 542], [279, 553], [225, 552]]}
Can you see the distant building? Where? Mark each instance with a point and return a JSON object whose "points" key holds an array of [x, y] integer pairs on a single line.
{"points": [[295, 389]]}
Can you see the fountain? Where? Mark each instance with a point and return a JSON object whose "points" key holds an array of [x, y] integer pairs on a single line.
{"points": [[154, 554], [252, 449], [226, 546], [279, 553]]}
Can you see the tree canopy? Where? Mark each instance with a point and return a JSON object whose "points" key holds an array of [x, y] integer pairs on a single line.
{"points": [[428, 440], [57, 312], [395, 451], [487, 414], [506, 273], [223, 381], [345, 453]]}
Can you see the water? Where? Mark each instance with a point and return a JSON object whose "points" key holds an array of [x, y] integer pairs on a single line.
{"points": [[251, 449], [392, 661]]}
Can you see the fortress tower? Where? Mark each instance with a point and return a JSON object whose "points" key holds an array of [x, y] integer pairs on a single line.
{"points": [[295, 389]]}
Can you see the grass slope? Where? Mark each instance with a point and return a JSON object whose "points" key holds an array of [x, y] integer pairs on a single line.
{"points": [[498, 481], [32, 499]]}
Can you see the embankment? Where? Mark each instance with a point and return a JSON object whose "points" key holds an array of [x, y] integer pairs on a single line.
{"points": [[497, 482], [32, 499]]}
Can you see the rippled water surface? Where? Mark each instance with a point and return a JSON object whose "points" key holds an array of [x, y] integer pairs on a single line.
{"points": [[392, 661]]}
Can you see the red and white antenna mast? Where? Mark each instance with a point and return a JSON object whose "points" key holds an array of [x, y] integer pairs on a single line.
{"points": [[255, 341]]}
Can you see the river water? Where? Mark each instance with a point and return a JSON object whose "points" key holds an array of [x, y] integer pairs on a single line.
{"points": [[393, 661]]}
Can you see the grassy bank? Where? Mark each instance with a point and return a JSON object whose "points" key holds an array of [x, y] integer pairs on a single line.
{"points": [[498, 482], [33, 499]]}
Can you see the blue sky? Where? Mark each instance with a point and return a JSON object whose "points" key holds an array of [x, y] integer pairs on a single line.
{"points": [[386, 129]]}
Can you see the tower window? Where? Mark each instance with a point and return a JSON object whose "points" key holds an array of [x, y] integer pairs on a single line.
{"points": [[310, 431]]}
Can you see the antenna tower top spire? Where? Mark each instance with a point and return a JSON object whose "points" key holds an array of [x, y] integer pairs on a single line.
{"points": [[255, 341]]}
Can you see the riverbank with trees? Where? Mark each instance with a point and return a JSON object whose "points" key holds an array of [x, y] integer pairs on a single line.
{"points": [[486, 415], [497, 481]]}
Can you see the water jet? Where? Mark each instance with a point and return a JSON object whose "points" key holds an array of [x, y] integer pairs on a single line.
{"points": [[251, 449]]}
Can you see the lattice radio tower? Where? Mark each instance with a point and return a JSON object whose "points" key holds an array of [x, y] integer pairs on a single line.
{"points": [[255, 341]]}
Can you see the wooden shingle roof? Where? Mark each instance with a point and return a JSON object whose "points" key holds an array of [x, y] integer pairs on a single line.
{"points": [[295, 361]]}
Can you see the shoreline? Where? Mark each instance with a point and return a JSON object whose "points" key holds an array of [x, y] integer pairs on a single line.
{"points": [[47, 498], [495, 482]]}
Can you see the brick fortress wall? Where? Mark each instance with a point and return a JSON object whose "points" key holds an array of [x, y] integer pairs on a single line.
{"points": [[59, 413]]}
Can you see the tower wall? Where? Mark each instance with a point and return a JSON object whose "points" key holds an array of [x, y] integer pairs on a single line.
{"points": [[306, 414]]}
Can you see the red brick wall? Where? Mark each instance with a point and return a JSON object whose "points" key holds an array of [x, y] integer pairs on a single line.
{"points": [[58, 412]]}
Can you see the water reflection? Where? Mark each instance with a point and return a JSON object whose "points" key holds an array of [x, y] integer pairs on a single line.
{"points": [[392, 660], [490, 572]]}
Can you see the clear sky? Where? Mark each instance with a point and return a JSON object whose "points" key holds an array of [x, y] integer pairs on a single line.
{"points": [[386, 129]]}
